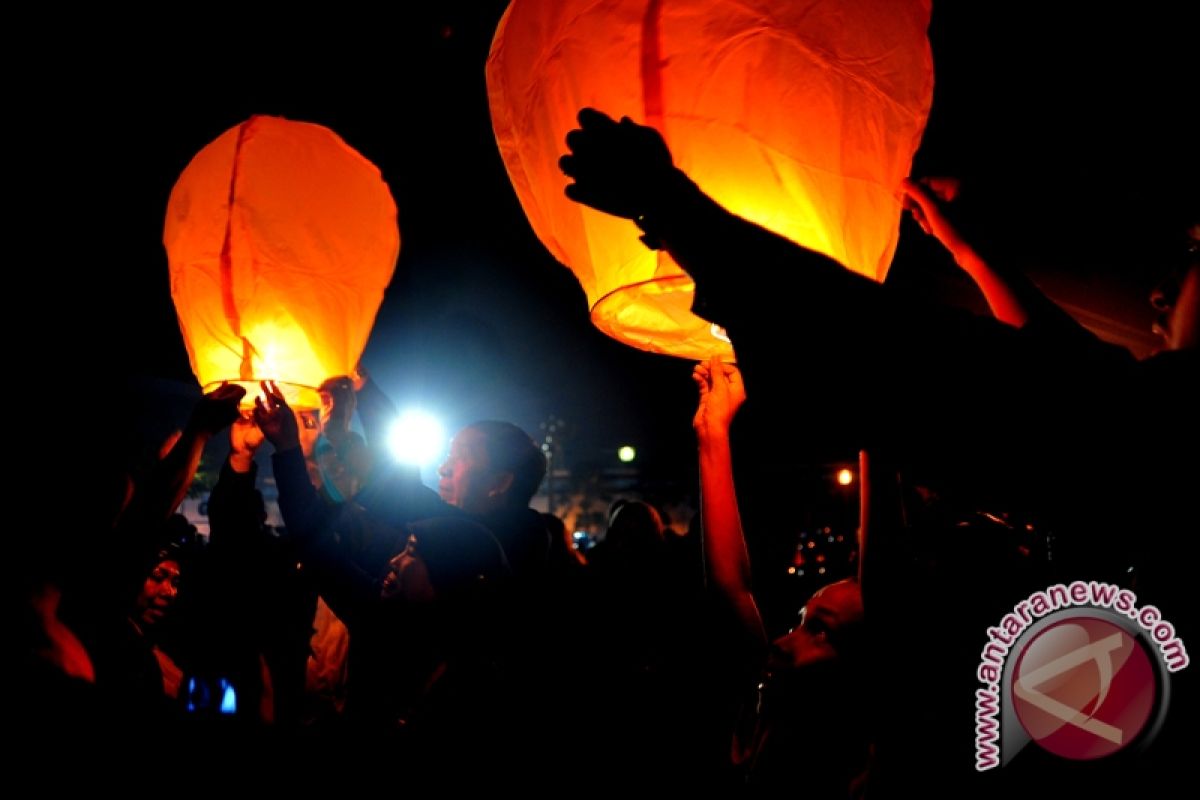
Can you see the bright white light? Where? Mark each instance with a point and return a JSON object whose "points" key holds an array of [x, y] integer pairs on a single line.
{"points": [[626, 454], [416, 438]]}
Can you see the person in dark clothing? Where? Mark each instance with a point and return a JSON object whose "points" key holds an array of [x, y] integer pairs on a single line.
{"points": [[350, 467], [259, 606], [395, 638], [128, 577], [491, 473], [1029, 420], [805, 723]]}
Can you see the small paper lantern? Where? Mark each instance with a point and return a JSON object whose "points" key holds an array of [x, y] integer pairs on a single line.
{"points": [[800, 116], [281, 239]]}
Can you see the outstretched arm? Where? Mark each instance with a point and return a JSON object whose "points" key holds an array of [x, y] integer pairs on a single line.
{"points": [[164, 489], [625, 169], [235, 508], [309, 521], [304, 513], [856, 334], [721, 394], [1009, 293]]}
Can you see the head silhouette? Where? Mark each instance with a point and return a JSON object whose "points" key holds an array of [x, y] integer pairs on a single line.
{"points": [[491, 465]]}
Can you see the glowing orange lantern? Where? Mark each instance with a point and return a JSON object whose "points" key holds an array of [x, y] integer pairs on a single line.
{"points": [[801, 116], [281, 240]]}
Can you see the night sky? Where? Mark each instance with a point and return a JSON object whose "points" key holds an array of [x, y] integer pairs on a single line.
{"points": [[1070, 132]]}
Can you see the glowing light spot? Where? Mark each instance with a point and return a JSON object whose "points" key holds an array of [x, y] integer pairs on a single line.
{"points": [[228, 698], [416, 438]]}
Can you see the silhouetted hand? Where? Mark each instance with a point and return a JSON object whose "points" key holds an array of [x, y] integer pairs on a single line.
{"points": [[217, 409], [275, 418], [721, 395], [619, 168], [360, 376]]}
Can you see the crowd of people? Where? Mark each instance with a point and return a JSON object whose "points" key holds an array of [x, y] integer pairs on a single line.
{"points": [[447, 631]]}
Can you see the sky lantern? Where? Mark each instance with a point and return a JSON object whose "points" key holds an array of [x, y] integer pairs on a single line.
{"points": [[281, 240], [800, 116]]}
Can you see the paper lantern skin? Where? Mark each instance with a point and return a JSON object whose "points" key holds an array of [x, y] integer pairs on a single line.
{"points": [[281, 240], [800, 116]]}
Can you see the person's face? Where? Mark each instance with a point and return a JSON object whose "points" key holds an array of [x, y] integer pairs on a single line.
{"points": [[407, 577], [825, 617], [465, 479], [337, 403], [1178, 302], [158, 593]]}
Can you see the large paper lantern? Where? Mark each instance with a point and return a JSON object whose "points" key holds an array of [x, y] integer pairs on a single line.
{"points": [[281, 239], [801, 116]]}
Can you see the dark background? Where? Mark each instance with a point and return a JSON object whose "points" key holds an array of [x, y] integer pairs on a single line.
{"points": [[1069, 124]]}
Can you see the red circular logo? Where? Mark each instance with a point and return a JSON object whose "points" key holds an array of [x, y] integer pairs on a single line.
{"points": [[1083, 688]]}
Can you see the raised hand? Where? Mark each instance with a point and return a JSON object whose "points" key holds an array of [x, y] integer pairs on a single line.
{"points": [[721, 395], [926, 199], [216, 409], [275, 419], [1010, 294], [618, 167], [360, 376]]}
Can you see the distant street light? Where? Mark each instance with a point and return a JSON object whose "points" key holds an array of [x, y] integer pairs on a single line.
{"points": [[845, 477], [626, 453]]}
